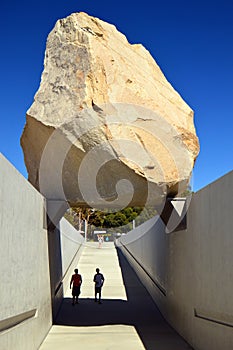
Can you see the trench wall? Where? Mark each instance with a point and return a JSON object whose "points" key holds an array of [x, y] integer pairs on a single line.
{"points": [[189, 273], [33, 262]]}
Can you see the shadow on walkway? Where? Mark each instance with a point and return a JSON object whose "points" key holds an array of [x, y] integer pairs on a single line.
{"points": [[139, 311]]}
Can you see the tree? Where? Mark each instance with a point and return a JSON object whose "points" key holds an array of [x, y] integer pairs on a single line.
{"points": [[111, 220]]}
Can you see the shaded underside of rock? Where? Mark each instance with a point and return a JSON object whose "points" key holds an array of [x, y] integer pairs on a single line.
{"points": [[106, 128]]}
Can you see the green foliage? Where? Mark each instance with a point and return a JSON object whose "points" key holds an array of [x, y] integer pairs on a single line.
{"points": [[124, 217], [97, 219], [115, 219], [120, 221]]}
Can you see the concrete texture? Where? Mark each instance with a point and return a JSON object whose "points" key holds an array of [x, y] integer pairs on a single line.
{"points": [[192, 270], [25, 301], [34, 263], [71, 249], [65, 246], [127, 318], [188, 273]]}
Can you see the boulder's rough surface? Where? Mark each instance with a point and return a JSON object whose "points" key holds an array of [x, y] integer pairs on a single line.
{"points": [[106, 128]]}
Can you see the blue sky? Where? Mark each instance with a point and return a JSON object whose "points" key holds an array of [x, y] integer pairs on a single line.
{"points": [[192, 41]]}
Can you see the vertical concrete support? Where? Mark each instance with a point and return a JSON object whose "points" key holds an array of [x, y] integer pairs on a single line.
{"points": [[174, 212], [55, 269], [189, 273], [55, 211]]}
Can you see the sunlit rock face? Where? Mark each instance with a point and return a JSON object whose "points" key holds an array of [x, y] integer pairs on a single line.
{"points": [[106, 129]]}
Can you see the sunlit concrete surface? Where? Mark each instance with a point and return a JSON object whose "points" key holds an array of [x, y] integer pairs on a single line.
{"points": [[93, 338], [107, 261], [127, 318]]}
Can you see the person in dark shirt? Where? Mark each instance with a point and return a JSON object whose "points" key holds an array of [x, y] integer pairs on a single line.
{"points": [[76, 281]]}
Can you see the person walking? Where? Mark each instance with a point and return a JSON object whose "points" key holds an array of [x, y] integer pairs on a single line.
{"points": [[76, 281], [100, 240], [99, 281]]}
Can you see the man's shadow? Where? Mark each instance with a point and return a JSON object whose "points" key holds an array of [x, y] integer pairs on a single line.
{"points": [[138, 311]]}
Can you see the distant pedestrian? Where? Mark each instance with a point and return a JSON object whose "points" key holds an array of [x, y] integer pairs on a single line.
{"points": [[76, 281], [100, 240], [99, 281]]}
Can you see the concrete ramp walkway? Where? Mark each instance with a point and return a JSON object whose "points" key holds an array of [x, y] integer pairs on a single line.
{"points": [[127, 319]]}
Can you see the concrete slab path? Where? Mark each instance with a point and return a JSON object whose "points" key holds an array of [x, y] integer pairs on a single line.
{"points": [[127, 319]]}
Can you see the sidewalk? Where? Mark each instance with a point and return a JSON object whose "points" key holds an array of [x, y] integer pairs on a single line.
{"points": [[127, 319]]}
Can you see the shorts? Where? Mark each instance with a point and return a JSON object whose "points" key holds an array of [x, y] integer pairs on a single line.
{"points": [[98, 289], [76, 291]]}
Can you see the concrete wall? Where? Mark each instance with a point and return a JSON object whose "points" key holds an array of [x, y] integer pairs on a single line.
{"points": [[65, 247], [190, 273], [25, 286], [35, 264]]}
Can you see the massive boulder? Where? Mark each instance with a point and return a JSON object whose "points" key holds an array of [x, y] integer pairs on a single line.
{"points": [[106, 129]]}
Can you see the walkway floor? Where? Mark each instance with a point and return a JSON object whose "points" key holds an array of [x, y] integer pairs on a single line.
{"points": [[127, 319]]}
